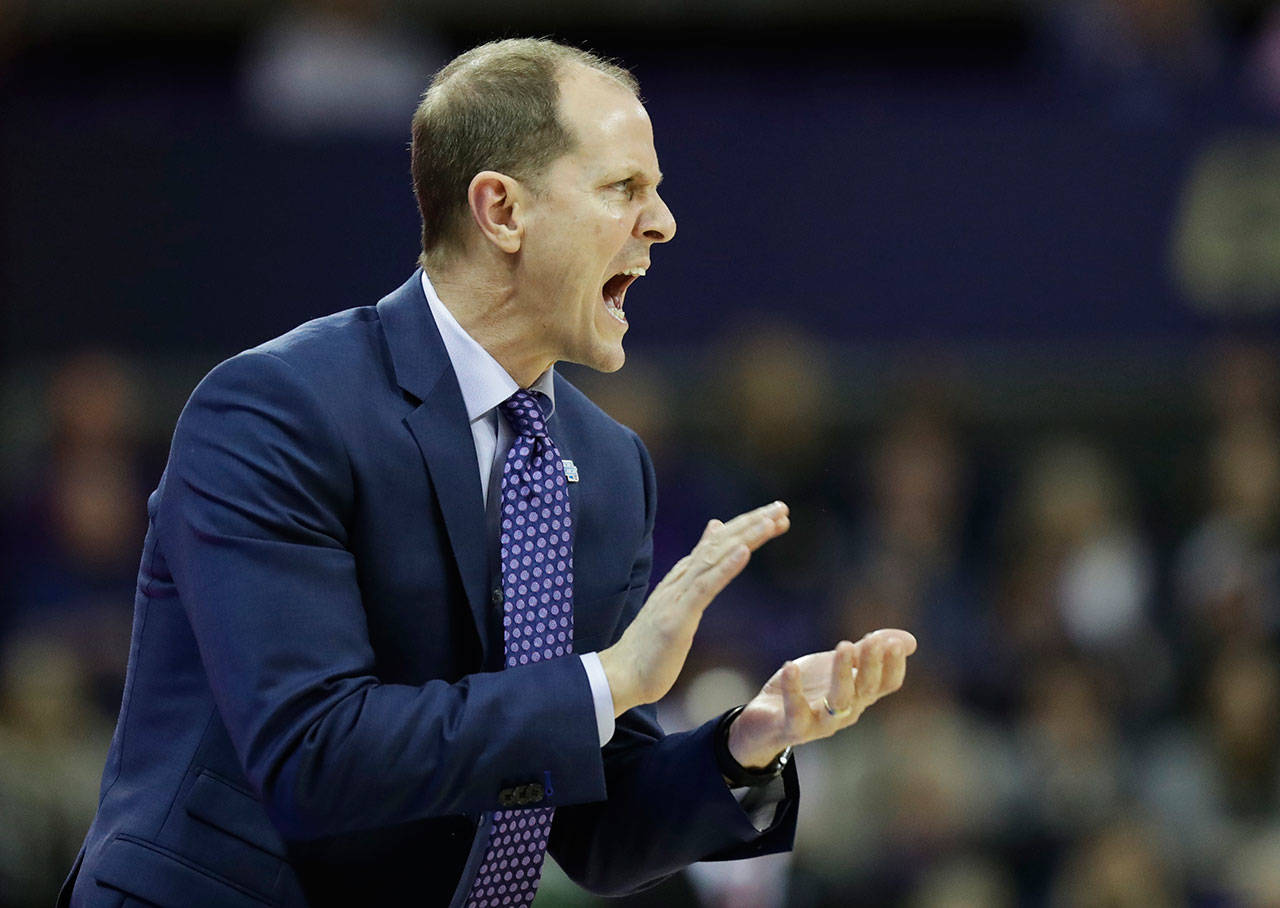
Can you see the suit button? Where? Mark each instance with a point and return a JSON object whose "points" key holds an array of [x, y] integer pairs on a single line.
{"points": [[496, 597]]}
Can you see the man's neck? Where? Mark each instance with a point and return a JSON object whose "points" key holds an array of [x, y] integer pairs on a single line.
{"points": [[488, 308]]}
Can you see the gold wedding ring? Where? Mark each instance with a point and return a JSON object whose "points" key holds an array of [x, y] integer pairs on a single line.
{"points": [[835, 713]]}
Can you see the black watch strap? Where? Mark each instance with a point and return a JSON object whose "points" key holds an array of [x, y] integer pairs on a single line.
{"points": [[735, 774]]}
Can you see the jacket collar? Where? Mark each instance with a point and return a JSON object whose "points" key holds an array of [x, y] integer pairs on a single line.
{"points": [[440, 427], [418, 354]]}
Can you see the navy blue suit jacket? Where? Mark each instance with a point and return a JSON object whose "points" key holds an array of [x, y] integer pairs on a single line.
{"points": [[314, 710]]}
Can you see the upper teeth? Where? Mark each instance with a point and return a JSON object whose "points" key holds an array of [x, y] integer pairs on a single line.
{"points": [[637, 272]]}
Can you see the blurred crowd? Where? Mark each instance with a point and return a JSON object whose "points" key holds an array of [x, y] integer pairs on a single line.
{"points": [[1093, 714]]}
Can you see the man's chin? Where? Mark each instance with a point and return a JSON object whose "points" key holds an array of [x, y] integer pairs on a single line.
{"points": [[615, 362], [610, 360]]}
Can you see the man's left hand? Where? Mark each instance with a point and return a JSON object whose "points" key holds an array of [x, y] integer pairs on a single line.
{"points": [[817, 695]]}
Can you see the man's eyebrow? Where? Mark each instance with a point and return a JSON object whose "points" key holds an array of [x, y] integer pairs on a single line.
{"points": [[638, 177]]}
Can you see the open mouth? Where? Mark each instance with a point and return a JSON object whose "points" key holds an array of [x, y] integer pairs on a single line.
{"points": [[615, 288]]}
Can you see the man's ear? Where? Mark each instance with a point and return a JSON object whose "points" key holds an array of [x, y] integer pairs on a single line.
{"points": [[496, 201]]}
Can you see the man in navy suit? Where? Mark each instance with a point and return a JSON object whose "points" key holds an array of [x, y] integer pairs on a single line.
{"points": [[317, 709]]}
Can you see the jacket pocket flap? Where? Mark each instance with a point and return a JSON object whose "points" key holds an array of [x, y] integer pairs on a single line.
{"points": [[158, 875], [231, 810]]}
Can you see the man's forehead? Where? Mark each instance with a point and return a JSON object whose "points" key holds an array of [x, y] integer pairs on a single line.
{"points": [[587, 95], [572, 72], [607, 120]]}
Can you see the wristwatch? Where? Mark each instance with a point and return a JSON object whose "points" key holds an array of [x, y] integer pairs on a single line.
{"points": [[735, 774]]}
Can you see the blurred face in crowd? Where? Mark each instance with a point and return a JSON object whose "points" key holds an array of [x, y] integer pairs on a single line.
{"points": [[590, 222]]}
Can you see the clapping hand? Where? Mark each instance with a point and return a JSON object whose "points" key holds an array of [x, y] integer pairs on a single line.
{"points": [[812, 697], [817, 695], [647, 659]]}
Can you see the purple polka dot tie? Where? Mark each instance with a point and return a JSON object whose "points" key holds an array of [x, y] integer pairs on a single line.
{"points": [[537, 621]]}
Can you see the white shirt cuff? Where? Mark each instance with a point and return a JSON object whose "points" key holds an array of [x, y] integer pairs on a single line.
{"points": [[600, 694]]}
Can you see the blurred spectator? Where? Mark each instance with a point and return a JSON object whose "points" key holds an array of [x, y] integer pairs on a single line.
{"points": [[337, 68], [1078, 510], [1119, 866], [73, 541], [1243, 717], [907, 567], [1263, 61], [52, 744], [1253, 872], [964, 882], [1081, 575], [1241, 381], [912, 787], [766, 433], [1227, 571], [1073, 753], [1215, 781]]}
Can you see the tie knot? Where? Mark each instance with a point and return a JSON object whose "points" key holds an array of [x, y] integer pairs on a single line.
{"points": [[524, 413]]}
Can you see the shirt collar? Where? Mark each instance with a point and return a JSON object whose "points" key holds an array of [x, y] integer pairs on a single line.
{"points": [[483, 381]]}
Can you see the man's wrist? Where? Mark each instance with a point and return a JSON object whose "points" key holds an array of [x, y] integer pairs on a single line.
{"points": [[735, 774], [748, 748], [615, 676]]}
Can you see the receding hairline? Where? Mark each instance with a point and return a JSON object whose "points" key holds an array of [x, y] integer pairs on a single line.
{"points": [[457, 75], [571, 64]]}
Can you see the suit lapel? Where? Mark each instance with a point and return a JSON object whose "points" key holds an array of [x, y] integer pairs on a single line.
{"points": [[442, 432]]}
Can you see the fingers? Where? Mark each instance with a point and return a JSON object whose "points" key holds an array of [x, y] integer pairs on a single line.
{"points": [[708, 584], [754, 528], [904, 639], [882, 663], [720, 555], [870, 662], [796, 711], [895, 669], [717, 558], [843, 693], [712, 526]]}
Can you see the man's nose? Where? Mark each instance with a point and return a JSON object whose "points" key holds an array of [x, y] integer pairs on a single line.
{"points": [[657, 223]]}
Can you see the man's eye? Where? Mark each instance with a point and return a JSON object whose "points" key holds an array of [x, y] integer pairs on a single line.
{"points": [[626, 186]]}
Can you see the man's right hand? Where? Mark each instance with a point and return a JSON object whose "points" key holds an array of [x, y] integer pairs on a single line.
{"points": [[643, 665]]}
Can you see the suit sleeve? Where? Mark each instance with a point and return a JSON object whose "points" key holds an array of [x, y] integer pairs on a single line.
{"points": [[667, 804], [252, 520]]}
